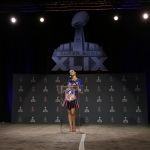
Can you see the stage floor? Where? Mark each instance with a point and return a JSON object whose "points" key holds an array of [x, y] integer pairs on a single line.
{"points": [[96, 137]]}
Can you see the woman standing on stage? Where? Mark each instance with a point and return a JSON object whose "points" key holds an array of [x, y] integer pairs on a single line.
{"points": [[72, 105]]}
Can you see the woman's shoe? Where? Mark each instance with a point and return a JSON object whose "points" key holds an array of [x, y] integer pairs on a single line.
{"points": [[73, 130]]}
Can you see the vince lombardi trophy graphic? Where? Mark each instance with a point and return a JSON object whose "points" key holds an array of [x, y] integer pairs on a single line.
{"points": [[79, 55]]}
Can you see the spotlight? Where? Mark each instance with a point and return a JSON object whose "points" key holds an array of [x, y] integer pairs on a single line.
{"points": [[116, 18], [13, 20], [41, 19], [145, 16]]}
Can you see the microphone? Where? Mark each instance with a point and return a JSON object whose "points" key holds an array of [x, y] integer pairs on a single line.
{"points": [[70, 77]]}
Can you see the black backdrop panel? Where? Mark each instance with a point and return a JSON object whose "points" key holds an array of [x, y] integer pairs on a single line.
{"points": [[106, 99]]}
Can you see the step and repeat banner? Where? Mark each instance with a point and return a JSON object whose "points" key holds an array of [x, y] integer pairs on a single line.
{"points": [[105, 99]]}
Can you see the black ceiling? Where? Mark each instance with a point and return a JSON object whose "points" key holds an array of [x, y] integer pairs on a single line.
{"points": [[70, 5]]}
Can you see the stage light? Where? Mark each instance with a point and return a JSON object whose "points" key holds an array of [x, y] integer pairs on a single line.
{"points": [[41, 19], [116, 18], [13, 20], [145, 16]]}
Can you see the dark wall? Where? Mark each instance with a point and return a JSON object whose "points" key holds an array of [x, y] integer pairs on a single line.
{"points": [[27, 46], [105, 99]]}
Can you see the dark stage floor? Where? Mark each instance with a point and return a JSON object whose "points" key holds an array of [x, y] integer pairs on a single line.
{"points": [[94, 137]]}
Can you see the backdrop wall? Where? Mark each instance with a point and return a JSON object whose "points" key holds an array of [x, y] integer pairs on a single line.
{"points": [[106, 99]]}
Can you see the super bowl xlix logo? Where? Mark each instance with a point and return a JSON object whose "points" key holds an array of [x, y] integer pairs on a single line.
{"points": [[79, 55]]}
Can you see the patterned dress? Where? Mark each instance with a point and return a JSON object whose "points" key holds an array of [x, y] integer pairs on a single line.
{"points": [[74, 103]]}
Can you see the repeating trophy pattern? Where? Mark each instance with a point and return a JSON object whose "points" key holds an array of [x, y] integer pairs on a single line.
{"points": [[105, 99]]}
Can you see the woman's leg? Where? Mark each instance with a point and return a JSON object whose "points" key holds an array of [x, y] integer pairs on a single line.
{"points": [[73, 118], [69, 118]]}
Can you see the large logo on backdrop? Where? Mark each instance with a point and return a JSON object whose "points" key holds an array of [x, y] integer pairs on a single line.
{"points": [[79, 55]]}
